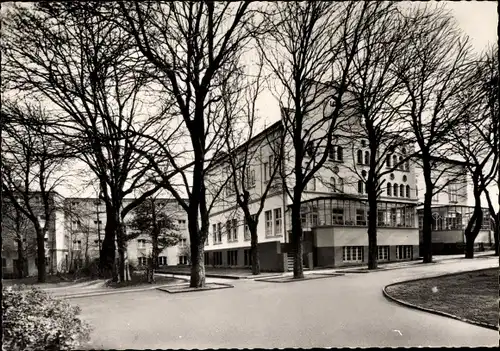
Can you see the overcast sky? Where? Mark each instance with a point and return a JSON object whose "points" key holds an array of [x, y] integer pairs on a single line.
{"points": [[478, 20]]}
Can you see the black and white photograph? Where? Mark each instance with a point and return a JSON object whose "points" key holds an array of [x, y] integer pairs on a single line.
{"points": [[249, 174]]}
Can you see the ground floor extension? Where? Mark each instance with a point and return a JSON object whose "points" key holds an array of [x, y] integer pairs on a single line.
{"points": [[448, 229]]}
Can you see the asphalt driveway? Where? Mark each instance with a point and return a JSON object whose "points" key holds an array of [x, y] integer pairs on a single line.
{"points": [[344, 311]]}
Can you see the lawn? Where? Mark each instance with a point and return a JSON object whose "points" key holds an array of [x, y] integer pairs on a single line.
{"points": [[471, 295]]}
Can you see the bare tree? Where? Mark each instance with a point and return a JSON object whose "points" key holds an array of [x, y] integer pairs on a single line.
{"points": [[190, 47], [486, 131], [377, 100], [246, 151], [33, 166], [68, 55], [433, 72], [310, 50]]}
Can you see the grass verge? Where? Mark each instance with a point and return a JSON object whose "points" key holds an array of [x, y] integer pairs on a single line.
{"points": [[469, 295]]}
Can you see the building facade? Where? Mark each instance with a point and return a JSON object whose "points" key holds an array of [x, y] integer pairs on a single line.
{"points": [[75, 234], [334, 211]]}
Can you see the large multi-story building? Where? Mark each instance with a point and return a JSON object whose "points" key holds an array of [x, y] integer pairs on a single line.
{"points": [[451, 208], [334, 210], [75, 233]]}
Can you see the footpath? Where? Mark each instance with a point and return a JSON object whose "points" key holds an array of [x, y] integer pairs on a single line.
{"points": [[181, 275]]}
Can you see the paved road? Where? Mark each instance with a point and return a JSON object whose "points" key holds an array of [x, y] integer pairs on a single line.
{"points": [[346, 311]]}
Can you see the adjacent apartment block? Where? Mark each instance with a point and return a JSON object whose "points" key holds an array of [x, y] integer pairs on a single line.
{"points": [[75, 234]]}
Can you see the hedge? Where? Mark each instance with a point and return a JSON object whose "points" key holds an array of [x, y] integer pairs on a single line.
{"points": [[34, 320]]}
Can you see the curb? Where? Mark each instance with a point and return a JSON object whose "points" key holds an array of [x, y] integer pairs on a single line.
{"points": [[165, 288], [208, 275], [433, 311], [323, 276], [117, 291]]}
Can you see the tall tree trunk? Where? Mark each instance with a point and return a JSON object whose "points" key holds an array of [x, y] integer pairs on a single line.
{"points": [[372, 228], [108, 250], [197, 248], [122, 250], [474, 225], [298, 266], [254, 250], [40, 244], [427, 228], [20, 257], [20, 248]]}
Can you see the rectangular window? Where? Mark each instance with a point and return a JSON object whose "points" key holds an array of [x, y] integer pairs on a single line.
{"points": [[214, 231], [338, 216], [271, 166], [453, 193], [217, 259], [142, 261], [141, 243], [219, 232], [383, 253], [206, 258], [269, 223], [229, 231], [250, 179], [331, 153], [264, 171], [404, 252], [277, 221], [248, 257], [232, 257], [183, 260], [162, 260], [360, 216], [381, 216], [183, 242], [235, 229], [352, 254]]}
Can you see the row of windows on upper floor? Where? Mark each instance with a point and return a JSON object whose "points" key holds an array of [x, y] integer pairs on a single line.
{"points": [[273, 227], [335, 154], [392, 189]]}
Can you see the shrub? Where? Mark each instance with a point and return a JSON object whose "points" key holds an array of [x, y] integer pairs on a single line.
{"points": [[32, 319]]}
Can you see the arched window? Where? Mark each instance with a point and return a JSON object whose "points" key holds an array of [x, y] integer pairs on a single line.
{"points": [[360, 157], [408, 191], [402, 190], [407, 165], [367, 157], [341, 185], [340, 153], [389, 189], [394, 160], [396, 189], [388, 160], [360, 186], [401, 165], [332, 182]]}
